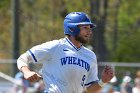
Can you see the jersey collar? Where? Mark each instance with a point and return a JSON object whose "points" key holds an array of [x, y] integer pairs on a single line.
{"points": [[73, 44]]}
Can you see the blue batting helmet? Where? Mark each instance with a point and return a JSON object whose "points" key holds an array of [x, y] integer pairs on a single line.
{"points": [[72, 20]]}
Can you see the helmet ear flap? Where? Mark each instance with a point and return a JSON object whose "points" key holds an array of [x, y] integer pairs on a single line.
{"points": [[74, 29]]}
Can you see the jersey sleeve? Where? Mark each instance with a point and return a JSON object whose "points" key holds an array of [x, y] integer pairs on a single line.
{"points": [[43, 51], [92, 76]]}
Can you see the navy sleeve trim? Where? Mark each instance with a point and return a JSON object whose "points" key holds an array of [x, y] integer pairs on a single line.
{"points": [[33, 56], [91, 83]]}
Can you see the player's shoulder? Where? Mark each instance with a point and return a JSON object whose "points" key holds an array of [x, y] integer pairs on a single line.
{"points": [[89, 52], [53, 43]]}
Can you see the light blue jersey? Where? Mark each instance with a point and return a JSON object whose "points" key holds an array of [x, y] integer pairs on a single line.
{"points": [[66, 69]]}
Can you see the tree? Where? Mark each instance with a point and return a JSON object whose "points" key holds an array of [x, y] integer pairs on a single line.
{"points": [[100, 19]]}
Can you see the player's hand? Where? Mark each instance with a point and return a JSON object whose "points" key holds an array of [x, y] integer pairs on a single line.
{"points": [[32, 76], [107, 74]]}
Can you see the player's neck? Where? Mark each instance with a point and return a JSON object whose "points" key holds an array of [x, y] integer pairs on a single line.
{"points": [[75, 42]]}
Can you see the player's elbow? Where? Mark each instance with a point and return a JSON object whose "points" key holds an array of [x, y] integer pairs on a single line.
{"points": [[22, 61], [94, 88]]}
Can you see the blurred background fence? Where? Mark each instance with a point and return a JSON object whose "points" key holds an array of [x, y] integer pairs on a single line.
{"points": [[11, 82], [6, 66]]}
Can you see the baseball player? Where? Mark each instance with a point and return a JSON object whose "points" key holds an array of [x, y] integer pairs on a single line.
{"points": [[68, 66]]}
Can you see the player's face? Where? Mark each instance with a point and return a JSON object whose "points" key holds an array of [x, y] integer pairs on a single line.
{"points": [[84, 35]]}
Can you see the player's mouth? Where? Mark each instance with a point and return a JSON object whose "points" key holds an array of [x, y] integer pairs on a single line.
{"points": [[87, 36]]}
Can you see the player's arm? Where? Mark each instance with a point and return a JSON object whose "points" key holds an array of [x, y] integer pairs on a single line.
{"points": [[107, 75], [22, 64], [93, 88]]}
